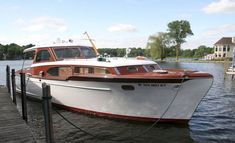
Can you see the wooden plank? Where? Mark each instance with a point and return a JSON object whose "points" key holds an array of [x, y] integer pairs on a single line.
{"points": [[13, 128]]}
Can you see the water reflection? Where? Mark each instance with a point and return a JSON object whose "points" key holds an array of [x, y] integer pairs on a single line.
{"points": [[110, 129]]}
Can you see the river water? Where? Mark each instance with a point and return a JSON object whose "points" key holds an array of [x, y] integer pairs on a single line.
{"points": [[212, 122]]}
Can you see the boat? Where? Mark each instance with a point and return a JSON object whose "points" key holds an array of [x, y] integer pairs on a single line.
{"points": [[231, 70], [121, 88]]}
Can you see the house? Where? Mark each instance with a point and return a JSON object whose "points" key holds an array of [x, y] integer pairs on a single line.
{"points": [[224, 47]]}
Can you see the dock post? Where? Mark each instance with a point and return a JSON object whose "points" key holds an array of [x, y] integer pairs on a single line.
{"points": [[8, 78], [23, 96], [47, 112], [13, 85]]}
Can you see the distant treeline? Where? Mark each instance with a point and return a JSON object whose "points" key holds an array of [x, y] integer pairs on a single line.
{"points": [[15, 52], [200, 52]]}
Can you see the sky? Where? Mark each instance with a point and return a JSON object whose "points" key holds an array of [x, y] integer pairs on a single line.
{"points": [[113, 23]]}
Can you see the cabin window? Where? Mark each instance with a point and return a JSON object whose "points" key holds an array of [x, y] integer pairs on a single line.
{"points": [[74, 52], [152, 67], [29, 55], [53, 71], [65, 71], [43, 55], [101, 71], [83, 70], [77, 70], [65, 53], [60, 71], [132, 69], [90, 70], [88, 52]]}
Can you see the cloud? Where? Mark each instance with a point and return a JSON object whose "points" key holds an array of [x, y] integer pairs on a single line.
{"points": [[194, 43], [114, 42], [42, 23], [210, 36], [221, 6], [122, 28], [228, 29], [20, 21], [3, 39]]}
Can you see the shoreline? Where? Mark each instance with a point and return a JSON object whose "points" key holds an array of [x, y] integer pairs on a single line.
{"points": [[195, 61]]}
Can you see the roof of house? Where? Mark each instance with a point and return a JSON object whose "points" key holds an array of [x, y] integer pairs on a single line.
{"points": [[224, 40]]}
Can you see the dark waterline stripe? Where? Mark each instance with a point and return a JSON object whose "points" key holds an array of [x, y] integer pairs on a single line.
{"points": [[128, 80]]}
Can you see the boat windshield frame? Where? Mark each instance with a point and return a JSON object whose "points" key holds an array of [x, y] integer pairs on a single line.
{"points": [[74, 52]]}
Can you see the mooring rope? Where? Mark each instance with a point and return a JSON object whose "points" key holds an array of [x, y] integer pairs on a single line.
{"points": [[130, 137]]}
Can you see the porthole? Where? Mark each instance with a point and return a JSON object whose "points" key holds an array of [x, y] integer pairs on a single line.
{"points": [[128, 87]]}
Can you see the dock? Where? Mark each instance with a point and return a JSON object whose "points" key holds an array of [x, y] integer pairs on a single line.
{"points": [[13, 128]]}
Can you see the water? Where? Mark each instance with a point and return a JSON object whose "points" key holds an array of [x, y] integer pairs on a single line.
{"points": [[213, 121]]}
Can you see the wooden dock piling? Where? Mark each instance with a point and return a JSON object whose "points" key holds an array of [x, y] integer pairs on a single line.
{"points": [[13, 85], [8, 79], [23, 96], [47, 113]]}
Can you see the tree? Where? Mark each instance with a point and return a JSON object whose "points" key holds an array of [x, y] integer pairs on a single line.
{"points": [[187, 53], [136, 52], [157, 44], [12, 51], [178, 31], [202, 51], [170, 51]]}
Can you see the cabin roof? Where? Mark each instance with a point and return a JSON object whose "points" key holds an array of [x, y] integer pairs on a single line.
{"points": [[56, 45], [111, 62]]}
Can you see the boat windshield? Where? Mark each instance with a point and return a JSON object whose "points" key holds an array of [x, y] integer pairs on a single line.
{"points": [[74, 52]]}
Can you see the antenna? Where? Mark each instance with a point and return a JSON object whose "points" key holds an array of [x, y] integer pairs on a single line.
{"points": [[93, 45]]}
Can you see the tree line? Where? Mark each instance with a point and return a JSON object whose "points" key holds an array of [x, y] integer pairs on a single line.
{"points": [[15, 52], [170, 52]]}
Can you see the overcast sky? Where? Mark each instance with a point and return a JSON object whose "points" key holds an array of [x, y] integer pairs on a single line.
{"points": [[113, 23]]}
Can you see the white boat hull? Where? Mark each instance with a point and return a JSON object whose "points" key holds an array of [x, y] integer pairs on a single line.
{"points": [[148, 101]]}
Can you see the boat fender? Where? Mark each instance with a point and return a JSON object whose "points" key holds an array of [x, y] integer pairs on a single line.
{"points": [[186, 77], [141, 58], [160, 71], [41, 73]]}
